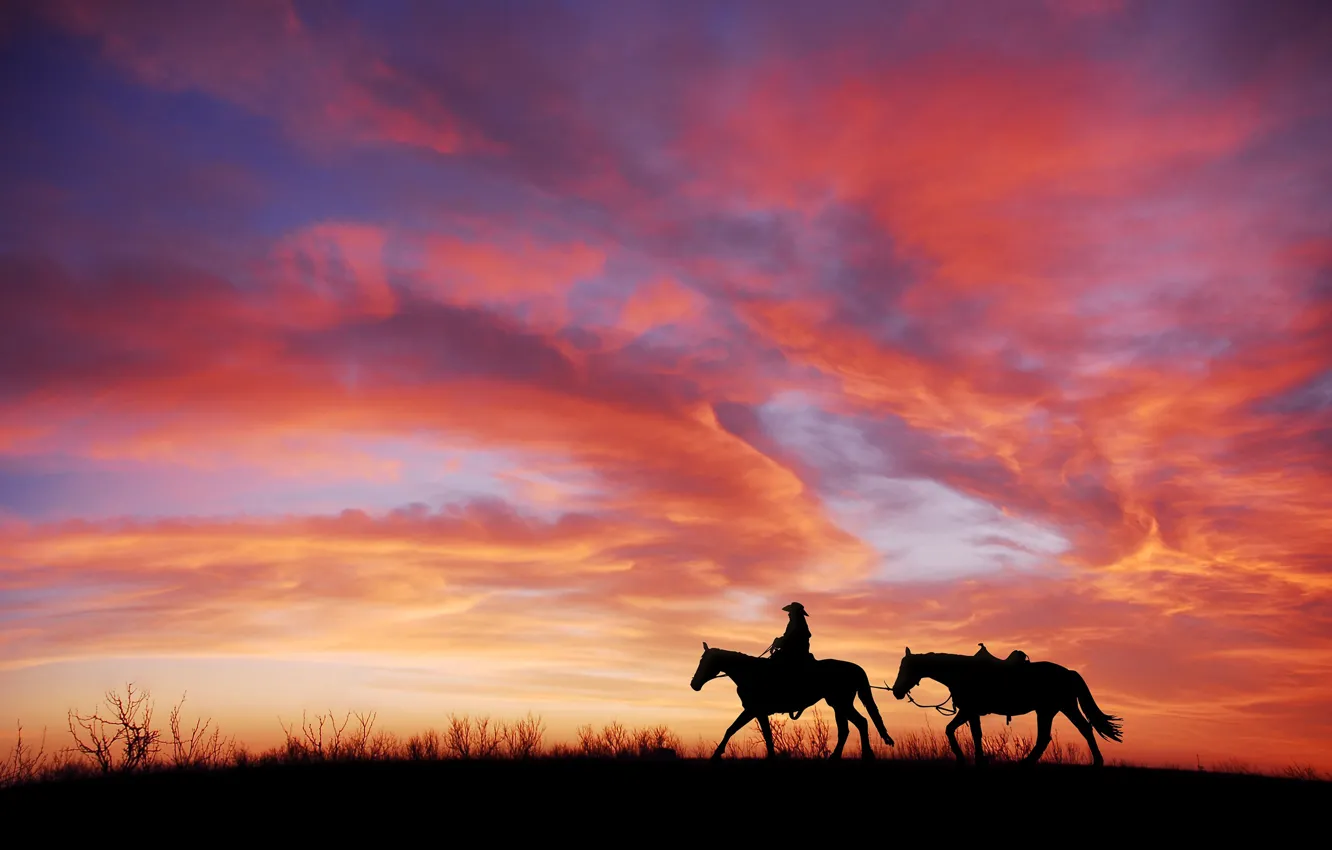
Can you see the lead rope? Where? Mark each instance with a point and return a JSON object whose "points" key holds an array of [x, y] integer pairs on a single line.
{"points": [[939, 707]]}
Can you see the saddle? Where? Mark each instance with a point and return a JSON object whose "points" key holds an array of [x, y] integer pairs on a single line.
{"points": [[1015, 658]]}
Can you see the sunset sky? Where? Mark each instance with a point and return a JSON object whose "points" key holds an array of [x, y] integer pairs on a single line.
{"points": [[489, 357]]}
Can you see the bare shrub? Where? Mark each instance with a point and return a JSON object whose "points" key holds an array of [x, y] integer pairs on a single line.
{"points": [[820, 733], [1002, 746], [920, 746], [97, 742], [384, 746], [1301, 771], [202, 745], [426, 746], [123, 740], [320, 739], [702, 748], [1233, 765], [615, 739], [808, 738], [337, 743], [788, 738], [24, 763], [1061, 752], [68, 763], [747, 748], [589, 743], [523, 738], [656, 741], [458, 738], [488, 737], [293, 747], [358, 744]]}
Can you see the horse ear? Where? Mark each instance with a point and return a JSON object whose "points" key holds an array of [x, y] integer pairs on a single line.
{"points": [[908, 650], [705, 646]]}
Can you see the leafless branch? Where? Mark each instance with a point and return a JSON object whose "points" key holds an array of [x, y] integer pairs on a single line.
{"points": [[23, 764]]}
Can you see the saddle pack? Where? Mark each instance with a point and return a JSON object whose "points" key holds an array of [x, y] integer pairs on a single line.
{"points": [[1015, 658]]}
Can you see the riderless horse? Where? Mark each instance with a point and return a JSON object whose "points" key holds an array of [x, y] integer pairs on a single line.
{"points": [[983, 685]]}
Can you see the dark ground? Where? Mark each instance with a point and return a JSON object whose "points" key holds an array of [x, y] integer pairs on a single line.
{"points": [[602, 802]]}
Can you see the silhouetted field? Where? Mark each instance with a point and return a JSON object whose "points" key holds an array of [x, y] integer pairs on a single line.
{"points": [[584, 798], [504, 774]]}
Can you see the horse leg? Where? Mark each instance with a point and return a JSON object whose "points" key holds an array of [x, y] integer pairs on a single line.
{"points": [[951, 732], [745, 717], [1073, 714], [766, 725], [1044, 717], [976, 739], [862, 726], [843, 730]]}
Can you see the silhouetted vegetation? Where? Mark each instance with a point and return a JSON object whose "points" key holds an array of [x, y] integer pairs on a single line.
{"points": [[121, 738]]}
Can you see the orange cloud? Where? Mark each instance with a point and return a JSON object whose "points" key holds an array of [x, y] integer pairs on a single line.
{"points": [[660, 302], [1057, 285]]}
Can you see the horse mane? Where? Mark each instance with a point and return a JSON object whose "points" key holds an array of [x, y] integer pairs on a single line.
{"points": [[735, 653]]}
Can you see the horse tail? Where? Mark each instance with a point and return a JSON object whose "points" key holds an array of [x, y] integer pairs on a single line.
{"points": [[1106, 725], [866, 694]]}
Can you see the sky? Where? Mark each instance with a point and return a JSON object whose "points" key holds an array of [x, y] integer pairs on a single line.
{"points": [[430, 357]]}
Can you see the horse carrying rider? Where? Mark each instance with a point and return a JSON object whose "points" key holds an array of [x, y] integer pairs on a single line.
{"points": [[793, 646]]}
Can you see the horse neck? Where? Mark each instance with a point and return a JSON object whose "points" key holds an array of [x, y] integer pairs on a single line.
{"points": [[945, 668], [736, 664]]}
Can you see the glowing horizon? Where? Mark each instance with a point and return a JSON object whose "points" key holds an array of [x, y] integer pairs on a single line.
{"points": [[439, 358]]}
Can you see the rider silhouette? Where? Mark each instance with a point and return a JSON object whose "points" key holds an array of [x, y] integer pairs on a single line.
{"points": [[793, 646]]}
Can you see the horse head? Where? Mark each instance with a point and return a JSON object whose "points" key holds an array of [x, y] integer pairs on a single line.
{"points": [[908, 676], [708, 668]]}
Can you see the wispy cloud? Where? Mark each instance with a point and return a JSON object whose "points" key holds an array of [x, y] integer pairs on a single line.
{"points": [[558, 347]]}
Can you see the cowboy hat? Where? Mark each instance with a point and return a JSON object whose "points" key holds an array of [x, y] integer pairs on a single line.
{"points": [[796, 606]]}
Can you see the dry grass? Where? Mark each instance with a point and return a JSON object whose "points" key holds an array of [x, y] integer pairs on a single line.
{"points": [[121, 737]]}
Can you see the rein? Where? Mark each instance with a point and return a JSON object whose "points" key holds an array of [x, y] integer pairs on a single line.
{"points": [[946, 712], [721, 675]]}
